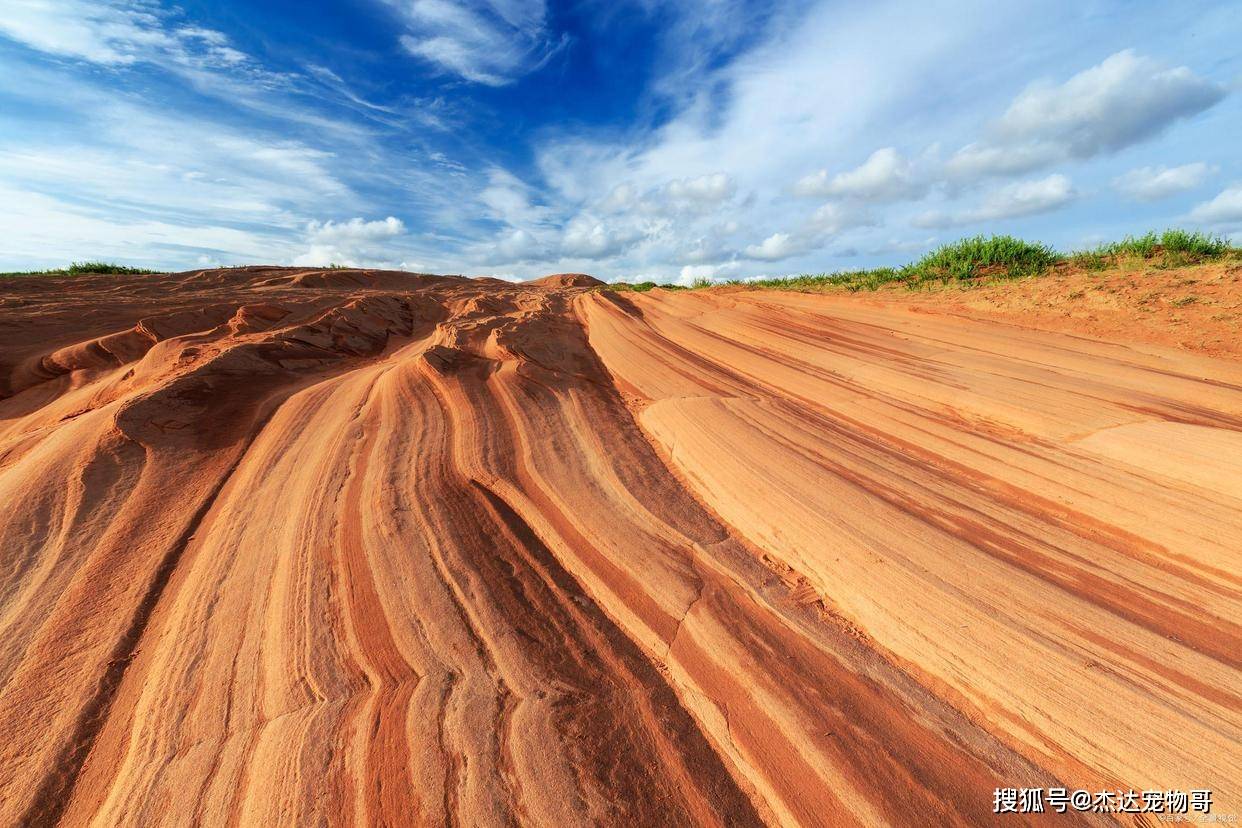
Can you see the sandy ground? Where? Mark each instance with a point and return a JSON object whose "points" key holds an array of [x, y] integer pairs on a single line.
{"points": [[1197, 308], [305, 547]]}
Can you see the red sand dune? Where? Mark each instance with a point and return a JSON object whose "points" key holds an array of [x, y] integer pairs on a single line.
{"points": [[354, 547]]}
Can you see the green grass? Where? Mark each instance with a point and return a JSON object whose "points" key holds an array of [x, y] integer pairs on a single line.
{"points": [[986, 259], [1184, 245], [1089, 260], [81, 268], [997, 257], [641, 287], [852, 280]]}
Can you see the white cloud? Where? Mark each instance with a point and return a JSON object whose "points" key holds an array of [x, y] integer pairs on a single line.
{"points": [[701, 194], [885, 176], [811, 75], [714, 272], [739, 101], [355, 231], [518, 246], [97, 32], [356, 242], [776, 247], [1122, 101], [690, 273], [1155, 183], [704, 249], [123, 165], [827, 222], [510, 200], [1226, 208], [620, 198], [114, 33], [1022, 198], [42, 231], [589, 238], [831, 219], [1026, 198], [980, 160], [709, 189], [117, 35], [627, 218], [935, 219], [902, 246], [1126, 99], [178, 168], [492, 42]]}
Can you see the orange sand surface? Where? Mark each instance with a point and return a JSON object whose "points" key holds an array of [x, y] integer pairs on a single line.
{"points": [[291, 547]]}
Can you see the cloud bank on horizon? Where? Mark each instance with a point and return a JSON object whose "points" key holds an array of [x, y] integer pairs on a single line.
{"points": [[637, 139]]}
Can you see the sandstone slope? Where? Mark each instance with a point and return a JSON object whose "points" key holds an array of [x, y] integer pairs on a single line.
{"points": [[293, 546]]}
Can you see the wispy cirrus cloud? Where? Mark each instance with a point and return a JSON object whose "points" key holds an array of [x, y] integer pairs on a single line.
{"points": [[114, 33], [176, 188], [491, 42]]}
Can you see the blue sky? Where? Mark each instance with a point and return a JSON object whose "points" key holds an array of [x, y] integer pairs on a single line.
{"points": [[629, 139]]}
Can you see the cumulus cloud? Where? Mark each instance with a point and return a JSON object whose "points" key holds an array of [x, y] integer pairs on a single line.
{"points": [[1120, 102], [355, 242], [810, 73], [776, 247], [824, 224], [700, 194], [1226, 208], [700, 177], [589, 238], [1155, 183], [620, 198], [831, 219], [1027, 198], [1022, 198], [884, 177], [713, 272], [628, 217], [491, 42], [1126, 99], [518, 246], [981, 160], [705, 249], [624, 219], [510, 200], [709, 189], [354, 231]]}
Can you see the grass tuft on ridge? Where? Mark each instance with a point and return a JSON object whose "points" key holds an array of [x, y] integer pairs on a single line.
{"points": [[997, 256], [1004, 257], [83, 268], [641, 287], [1172, 248], [989, 258]]}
